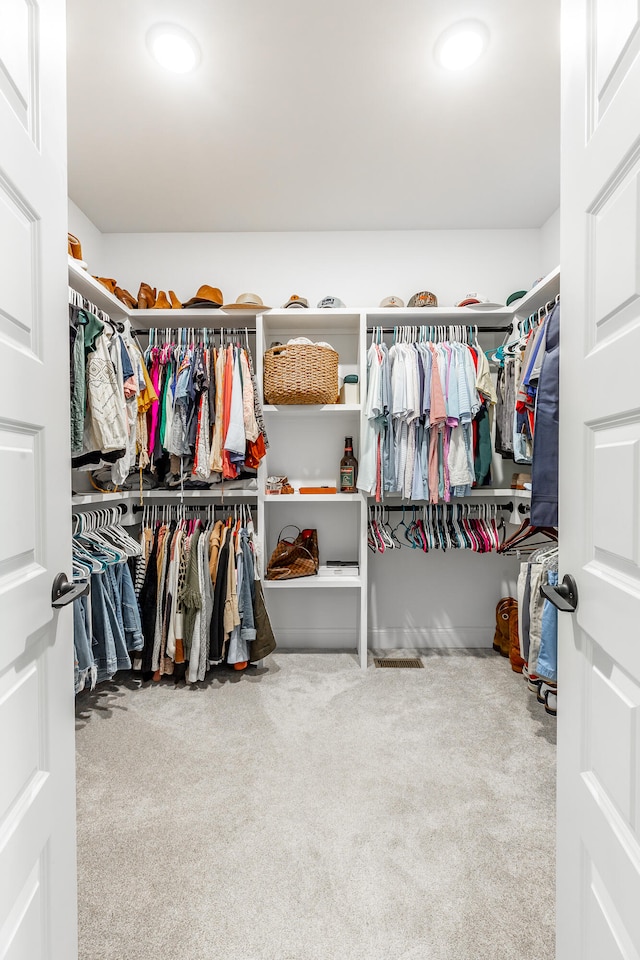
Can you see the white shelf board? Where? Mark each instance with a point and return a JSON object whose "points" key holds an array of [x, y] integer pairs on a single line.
{"points": [[310, 409], [478, 493], [315, 583], [173, 496], [313, 497], [88, 499], [215, 494], [93, 290], [547, 289]]}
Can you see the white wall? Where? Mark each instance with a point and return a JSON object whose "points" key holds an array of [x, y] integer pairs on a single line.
{"points": [[360, 267], [550, 243], [90, 238]]}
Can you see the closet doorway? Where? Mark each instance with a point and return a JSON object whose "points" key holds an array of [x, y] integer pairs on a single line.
{"points": [[598, 855]]}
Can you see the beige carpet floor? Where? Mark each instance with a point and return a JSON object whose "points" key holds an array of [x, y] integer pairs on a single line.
{"points": [[312, 811]]}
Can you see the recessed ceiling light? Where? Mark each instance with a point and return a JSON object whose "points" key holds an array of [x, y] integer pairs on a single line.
{"points": [[461, 44], [173, 47]]}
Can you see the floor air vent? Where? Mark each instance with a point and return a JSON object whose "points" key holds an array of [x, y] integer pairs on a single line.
{"points": [[399, 662]]}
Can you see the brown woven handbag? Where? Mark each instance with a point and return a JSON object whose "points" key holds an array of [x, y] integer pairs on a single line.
{"points": [[293, 558]]}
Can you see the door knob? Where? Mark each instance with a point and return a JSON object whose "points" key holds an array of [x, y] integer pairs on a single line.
{"points": [[564, 596], [64, 592]]}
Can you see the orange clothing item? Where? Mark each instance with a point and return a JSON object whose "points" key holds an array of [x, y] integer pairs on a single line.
{"points": [[256, 450]]}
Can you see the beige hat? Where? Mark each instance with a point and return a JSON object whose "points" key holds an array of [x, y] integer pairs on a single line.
{"points": [[246, 301], [392, 302]]}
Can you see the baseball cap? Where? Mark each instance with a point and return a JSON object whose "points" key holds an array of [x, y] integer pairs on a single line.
{"points": [[330, 303], [423, 299], [295, 301], [518, 295], [477, 301], [392, 302]]}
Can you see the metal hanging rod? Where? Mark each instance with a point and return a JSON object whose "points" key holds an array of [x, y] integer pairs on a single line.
{"points": [[452, 503], [494, 329], [229, 503], [228, 331], [85, 509]]}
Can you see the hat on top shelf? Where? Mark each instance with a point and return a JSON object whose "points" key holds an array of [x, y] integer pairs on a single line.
{"points": [[330, 303], [392, 302], [295, 301], [206, 297], [518, 295], [423, 299], [246, 301], [478, 302]]}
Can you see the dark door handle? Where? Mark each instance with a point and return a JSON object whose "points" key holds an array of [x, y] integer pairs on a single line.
{"points": [[564, 596], [64, 592]]}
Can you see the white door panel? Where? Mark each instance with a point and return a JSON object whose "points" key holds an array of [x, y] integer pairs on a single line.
{"points": [[37, 800], [19, 61], [598, 649], [615, 42]]}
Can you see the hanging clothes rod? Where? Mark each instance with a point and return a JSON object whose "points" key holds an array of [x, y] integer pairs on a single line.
{"points": [[229, 502], [228, 331], [494, 329], [451, 503]]}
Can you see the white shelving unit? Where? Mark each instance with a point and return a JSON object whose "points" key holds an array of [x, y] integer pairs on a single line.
{"points": [[306, 443]]}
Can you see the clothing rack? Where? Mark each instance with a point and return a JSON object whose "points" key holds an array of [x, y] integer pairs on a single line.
{"points": [[209, 333], [172, 504], [95, 519], [418, 506], [77, 300], [483, 329]]}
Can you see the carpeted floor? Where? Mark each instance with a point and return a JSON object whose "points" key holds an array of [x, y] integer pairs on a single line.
{"points": [[312, 811]]}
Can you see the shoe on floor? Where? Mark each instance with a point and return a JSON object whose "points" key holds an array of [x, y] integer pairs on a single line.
{"points": [[533, 682], [551, 702], [544, 688]]}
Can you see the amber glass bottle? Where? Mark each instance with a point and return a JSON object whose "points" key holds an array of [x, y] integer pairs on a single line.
{"points": [[348, 468]]}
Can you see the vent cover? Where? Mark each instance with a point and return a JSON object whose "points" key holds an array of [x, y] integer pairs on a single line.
{"points": [[414, 663]]}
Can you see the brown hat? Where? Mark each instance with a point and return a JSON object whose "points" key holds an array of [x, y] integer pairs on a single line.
{"points": [[206, 297]]}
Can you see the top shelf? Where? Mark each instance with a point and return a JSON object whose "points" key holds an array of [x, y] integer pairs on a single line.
{"points": [[92, 290], [547, 289], [346, 320]]}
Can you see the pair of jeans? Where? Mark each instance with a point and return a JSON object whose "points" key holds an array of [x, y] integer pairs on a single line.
{"points": [[115, 620], [132, 625], [84, 664], [548, 653], [536, 604]]}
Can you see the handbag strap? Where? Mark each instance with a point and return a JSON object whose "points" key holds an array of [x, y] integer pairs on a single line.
{"points": [[289, 526]]}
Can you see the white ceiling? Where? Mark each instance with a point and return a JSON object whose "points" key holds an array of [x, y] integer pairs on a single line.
{"points": [[313, 115]]}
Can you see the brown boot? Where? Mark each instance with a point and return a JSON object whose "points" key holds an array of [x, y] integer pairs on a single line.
{"points": [[501, 639], [516, 661], [146, 297], [175, 303], [126, 298], [162, 302], [108, 283], [74, 248]]}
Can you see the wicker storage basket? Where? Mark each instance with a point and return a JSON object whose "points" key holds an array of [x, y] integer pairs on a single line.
{"points": [[300, 373]]}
